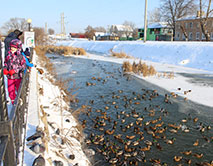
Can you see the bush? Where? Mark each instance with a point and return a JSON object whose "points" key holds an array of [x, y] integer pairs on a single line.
{"points": [[119, 54], [139, 68], [65, 50], [127, 67]]}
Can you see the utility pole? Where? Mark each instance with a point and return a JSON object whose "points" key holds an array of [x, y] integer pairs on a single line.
{"points": [[45, 27], [145, 21], [62, 24]]}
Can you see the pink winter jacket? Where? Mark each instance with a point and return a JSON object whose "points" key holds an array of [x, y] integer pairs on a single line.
{"points": [[15, 62]]}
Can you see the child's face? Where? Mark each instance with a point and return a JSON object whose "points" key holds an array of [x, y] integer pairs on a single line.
{"points": [[13, 49]]}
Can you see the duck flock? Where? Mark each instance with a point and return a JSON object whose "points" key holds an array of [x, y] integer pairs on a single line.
{"points": [[143, 127]]}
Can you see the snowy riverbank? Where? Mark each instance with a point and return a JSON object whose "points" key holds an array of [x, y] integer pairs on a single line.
{"points": [[48, 111], [188, 54]]}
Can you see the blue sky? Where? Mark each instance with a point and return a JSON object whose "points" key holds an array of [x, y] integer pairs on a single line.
{"points": [[78, 13]]}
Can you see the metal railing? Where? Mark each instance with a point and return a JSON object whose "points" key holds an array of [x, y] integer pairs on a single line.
{"points": [[12, 125]]}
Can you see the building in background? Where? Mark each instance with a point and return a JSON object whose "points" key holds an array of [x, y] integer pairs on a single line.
{"points": [[190, 27], [77, 35], [105, 36], [159, 31], [124, 32]]}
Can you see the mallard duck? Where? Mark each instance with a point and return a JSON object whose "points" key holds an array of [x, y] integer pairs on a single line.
{"points": [[135, 143], [127, 149], [188, 161], [173, 131], [195, 119], [196, 143], [159, 146], [147, 142], [145, 148], [198, 155], [184, 120], [127, 155], [130, 137], [177, 158], [159, 124], [113, 160], [187, 152], [171, 141], [119, 153], [109, 132]]}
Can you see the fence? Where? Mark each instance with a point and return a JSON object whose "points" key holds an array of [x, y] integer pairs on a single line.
{"points": [[12, 124]]}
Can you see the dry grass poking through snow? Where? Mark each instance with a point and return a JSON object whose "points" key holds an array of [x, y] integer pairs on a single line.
{"points": [[63, 50], [63, 84], [139, 68], [119, 54]]}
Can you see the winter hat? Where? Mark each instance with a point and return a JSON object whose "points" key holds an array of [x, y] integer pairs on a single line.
{"points": [[16, 43], [18, 32]]}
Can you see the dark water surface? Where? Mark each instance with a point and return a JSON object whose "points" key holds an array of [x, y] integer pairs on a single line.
{"points": [[124, 114]]}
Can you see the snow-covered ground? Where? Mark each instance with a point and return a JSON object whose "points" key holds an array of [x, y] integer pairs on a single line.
{"points": [[177, 57]]}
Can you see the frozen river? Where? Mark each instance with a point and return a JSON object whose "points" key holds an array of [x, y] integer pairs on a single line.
{"points": [[129, 121]]}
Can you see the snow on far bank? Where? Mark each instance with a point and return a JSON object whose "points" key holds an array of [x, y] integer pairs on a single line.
{"points": [[197, 55]]}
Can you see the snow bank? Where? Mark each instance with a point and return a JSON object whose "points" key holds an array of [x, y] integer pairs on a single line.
{"points": [[48, 111], [189, 54]]}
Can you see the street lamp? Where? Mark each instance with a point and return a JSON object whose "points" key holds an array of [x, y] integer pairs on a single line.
{"points": [[29, 21]]}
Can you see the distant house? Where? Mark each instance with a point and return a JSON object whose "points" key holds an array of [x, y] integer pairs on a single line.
{"points": [[192, 29], [105, 36], [77, 35], [124, 32], [160, 31]]}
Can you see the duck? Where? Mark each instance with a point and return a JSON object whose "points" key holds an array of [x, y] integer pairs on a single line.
{"points": [[109, 132], [184, 120], [196, 143], [147, 148], [173, 131], [119, 153], [147, 142], [195, 119], [188, 161], [159, 146], [187, 152], [113, 160], [198, 155], [130, 137], [177, 158], [171, 141]]}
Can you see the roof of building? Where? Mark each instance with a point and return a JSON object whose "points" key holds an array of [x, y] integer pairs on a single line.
{"points": [[123, 28], [158, 25]]}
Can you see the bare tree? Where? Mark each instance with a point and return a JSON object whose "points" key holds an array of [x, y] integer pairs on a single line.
{"points": [[176, 9], [100, 29], [89, 32], [40, 36], [204, 18], [135, 33], [15, 23], [129, 28], [51, 31], [155, 15], [184, 32]]}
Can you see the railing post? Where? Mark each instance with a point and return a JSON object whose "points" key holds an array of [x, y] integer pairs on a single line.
{"points": [[3, 100]]}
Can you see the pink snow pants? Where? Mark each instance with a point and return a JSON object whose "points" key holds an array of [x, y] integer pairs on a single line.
{"points": [[13, 87]]}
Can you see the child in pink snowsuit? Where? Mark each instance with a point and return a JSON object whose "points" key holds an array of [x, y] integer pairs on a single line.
{"points": [[14, 65]]}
